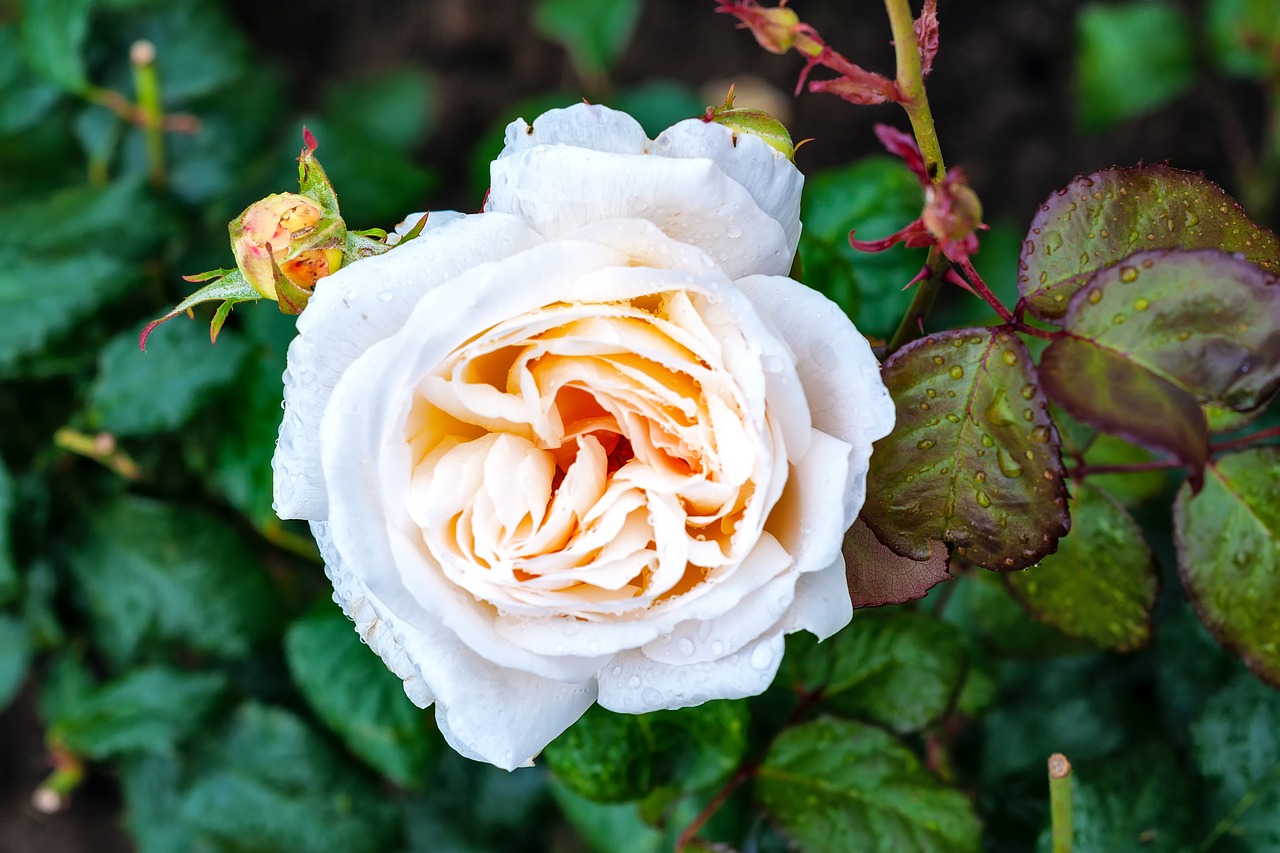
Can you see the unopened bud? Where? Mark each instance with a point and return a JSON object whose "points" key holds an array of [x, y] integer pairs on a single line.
{"points": [[755, 123], [291, 233], [952, 211]]}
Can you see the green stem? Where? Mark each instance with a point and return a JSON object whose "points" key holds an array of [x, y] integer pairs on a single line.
{"points": [[146, 83], [1060, 802], [910, 83]]}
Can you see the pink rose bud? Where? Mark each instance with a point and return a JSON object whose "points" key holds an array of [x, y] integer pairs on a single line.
{"points": [[287, 235]]}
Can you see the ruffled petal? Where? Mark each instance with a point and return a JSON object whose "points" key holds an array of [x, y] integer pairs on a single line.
{"points": [[822, 604], [636, 684], [582, 126], [486, 712], [353, 309], [840, 374], [558, 189], [772, 180]]}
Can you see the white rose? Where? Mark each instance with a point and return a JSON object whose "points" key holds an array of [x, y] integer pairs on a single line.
{"points": [[590, 444]]}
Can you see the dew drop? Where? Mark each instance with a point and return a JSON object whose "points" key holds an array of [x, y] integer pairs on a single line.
{"points": [[1009, 357], [633, 682], [762, 656], [956, 372], [1141, 305], [987, 441], [983, 500], [1041, 434], [1028, 391], [980, 477], [924, 444], [1095, 296], [717, 648], [953, 418], [386, 296], [1117, 319], [1128, 274], [1008, 465], [931, 393], [937, 359], [686, 647]]}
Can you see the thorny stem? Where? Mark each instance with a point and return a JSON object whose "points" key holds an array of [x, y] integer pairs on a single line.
{"points": [[910, 83], [1260, 435], [1060, 802], [146, 83], [980, 287]]}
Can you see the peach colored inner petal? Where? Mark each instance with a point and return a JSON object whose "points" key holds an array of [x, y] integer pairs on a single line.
{"points": [[588, 460]]}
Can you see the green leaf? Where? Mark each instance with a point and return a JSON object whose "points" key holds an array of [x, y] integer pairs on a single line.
{"points": [[24, 98], [1132, 59], [1228, 540], [1101, 584], [15, 658], [594, 32], [892, 667], [1236, 746], [834, 785], [877, 576], [874, 197], [396, 107], [1106, 389], [1243, 35], [619, 828], [974, 458], [358, 697], [610, 758], [986, 612], [142, 393], [41, 298], [149, 710], [272, 784], [153, 577], [1131, 488], [1136, 802], [126, 216], [1098, 220], [181, 29], [8, 567], [53, 38], [152, 797]]}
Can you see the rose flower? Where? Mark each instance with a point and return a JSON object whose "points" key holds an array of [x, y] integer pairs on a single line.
{"points": [[590, 445]]}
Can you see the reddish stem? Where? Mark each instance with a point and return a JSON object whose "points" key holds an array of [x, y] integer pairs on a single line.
{"points": [[1262, 435], [745, 772], [980, 288], [1081, 471]]}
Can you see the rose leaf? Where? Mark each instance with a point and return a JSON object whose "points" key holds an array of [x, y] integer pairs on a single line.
{"points": [[273, 781], [878, 576], [1236, 748], [15, 658], [1138, 801], [53, 39], [148, 710], [154, 577], [357, 696], [892, 667], [974, 459], [1101, 583], [612, 758], [142, 393], [985, 611], [836, 785], [1098, 220], [1228, 543]]}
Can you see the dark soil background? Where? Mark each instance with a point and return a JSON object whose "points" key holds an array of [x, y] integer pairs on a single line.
{"points": [[1001, 92]]}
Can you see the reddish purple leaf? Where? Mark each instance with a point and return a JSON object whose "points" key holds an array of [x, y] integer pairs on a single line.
{"points": [[974, 460], [878, 576], [1098, 220]]}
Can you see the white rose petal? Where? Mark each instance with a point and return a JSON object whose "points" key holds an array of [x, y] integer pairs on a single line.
{"points": [[588, 445]]}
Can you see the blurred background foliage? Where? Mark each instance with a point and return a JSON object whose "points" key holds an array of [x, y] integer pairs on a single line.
{"points": [[175, 674]]}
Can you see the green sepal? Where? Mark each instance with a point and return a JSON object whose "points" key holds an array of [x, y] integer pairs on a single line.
{"points": [[227, 285], [415, 230], [312, 180], [291, 297], [360, 246]]}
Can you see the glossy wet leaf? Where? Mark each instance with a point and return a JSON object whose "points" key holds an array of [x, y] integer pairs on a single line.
{"points": [[1132, 59], [973, 459], [356, 696], [1106, 389], [1228, 540], [594, 32], [834, 785], [274, 783], [896, 668], [1098, 220], [148, 710], [875, 196], [878, 576], [141, 393], [1138, 801], [984, 610], [610, 758], [1101, 583], [1236, 747], [53, 39], [156, 578]]}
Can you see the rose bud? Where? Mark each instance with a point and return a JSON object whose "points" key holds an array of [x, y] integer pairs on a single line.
{"points": [[287, 235], [755, 122]]}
